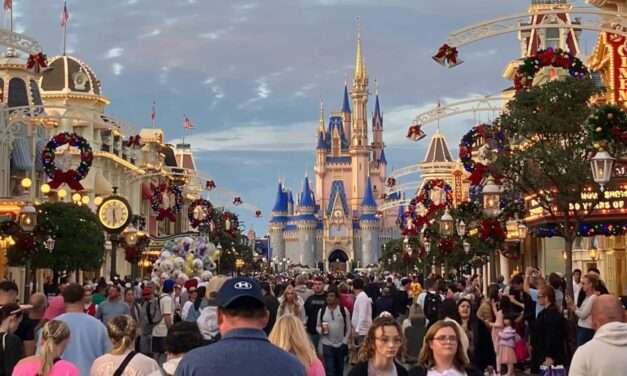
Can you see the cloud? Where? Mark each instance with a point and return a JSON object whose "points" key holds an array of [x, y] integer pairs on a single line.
{"points": [[209, 80], [114, 52], [304, 90], [215, 34], [117, 68], [217, 94], [150, 34], [164, 74]]}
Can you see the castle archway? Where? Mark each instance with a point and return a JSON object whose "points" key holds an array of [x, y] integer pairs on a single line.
{"points": [[338, 261]]}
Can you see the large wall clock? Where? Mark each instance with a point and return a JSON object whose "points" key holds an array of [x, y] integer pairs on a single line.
{"points": [[114, 213]]}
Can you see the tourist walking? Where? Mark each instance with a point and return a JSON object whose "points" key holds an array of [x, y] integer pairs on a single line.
{"points": [[290, 335], [507, 342], [441, 353], [272, 303], [291, 304], [113, 306], [88, 336], [548, 336], [606, 353], [123, 360], [55, 336], [244, 349], [31, 322], [166, 310], [480, 350], [334, 327], [313, 304], [590, 287], [362, 312], [10, 344], [382, 346]]}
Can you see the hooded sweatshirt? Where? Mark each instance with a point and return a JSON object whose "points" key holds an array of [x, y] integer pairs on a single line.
{"points": [[604, 355]]}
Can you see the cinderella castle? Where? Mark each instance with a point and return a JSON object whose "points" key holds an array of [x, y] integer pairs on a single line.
{"points": [[336, 222]]}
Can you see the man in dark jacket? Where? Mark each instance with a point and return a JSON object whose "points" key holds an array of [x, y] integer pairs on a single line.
{"points": [[272, 303], [313, 304]]}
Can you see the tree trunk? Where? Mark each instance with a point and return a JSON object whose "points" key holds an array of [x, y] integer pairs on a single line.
{"points": [[568, 265]]}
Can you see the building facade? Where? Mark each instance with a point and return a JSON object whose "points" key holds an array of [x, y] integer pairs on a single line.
{"points": [[335, 222]]}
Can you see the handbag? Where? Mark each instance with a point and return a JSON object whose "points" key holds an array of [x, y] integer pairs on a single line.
{"points": [[521, 350], [552, 371]]}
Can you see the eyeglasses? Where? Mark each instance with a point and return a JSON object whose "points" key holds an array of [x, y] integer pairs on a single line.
{"points": [[541, 296], [443, 339], [394, 341]]}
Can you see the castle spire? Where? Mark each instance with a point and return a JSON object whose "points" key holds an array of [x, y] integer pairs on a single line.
{"points": [[369, 200], [346, 106], [360, 68], [322, 127]]}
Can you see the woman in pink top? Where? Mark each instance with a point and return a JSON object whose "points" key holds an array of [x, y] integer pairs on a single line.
{"points": [[289, 334], [54, 337], [347, 299]]}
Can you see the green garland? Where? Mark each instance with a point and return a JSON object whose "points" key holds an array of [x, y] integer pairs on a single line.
{"points": [[607, 127]]}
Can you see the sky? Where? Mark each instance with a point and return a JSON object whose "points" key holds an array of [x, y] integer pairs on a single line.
{"points": [[250, 74]]}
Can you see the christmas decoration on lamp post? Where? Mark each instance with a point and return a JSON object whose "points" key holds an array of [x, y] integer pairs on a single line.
{"points": [[607, 128]]}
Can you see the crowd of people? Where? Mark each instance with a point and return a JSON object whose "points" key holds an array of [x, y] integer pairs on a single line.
{"points": [[317, 324]]}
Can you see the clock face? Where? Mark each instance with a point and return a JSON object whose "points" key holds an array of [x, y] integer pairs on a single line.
{"points": [[114, 213]]}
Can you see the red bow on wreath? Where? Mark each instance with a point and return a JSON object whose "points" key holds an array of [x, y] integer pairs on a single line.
{"points": [[415, 133], [166, 213], [70, 177], [36, 62], [477, 175], [135, 141], [447, 55]]}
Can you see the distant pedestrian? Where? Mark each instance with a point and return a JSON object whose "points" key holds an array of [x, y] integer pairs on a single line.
{"points": [[334, 327], [313, 304], [244, 349], [165, 318], [10, 344], [182, 337], [291, 303], [113, 306], [590, 287], [272, 303]]}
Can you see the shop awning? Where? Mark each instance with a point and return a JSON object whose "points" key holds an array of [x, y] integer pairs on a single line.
{"points": [[21, 155], [102, 187]]}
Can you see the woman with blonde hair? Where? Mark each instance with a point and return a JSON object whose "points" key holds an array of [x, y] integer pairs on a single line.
{"points": [[442, 353], [123, 360], [55, 335], [382, 346], [291, 304], [289, 334]]}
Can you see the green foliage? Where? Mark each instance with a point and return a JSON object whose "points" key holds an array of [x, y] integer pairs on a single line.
{"points": [[549, 147], [233, 244], [607, 128], [79, 239]]}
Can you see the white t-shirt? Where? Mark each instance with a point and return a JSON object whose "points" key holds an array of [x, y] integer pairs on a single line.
{"points": [[448, 372], [167, 308]]}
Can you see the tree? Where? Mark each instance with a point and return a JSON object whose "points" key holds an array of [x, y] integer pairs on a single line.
{"points": [[79, 239], [232, 242], [548, 155]]}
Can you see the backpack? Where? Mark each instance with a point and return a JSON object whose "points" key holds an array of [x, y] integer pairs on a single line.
{"points": [[342, 310], [432, 306], [152, 309]]}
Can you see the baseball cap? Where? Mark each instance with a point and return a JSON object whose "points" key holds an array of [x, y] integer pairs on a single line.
{"points": [[239, 287]]}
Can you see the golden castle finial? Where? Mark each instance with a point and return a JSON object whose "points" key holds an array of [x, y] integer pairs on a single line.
{"points": [[360, 68], [321, 116]]}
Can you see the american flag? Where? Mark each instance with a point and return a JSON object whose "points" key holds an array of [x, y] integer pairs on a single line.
{"points": [[153, 116], [187, 124], [65, 16], [8, 4]]}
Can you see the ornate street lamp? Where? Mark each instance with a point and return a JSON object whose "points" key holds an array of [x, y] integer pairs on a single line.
{"points": [[466, 246], [461, 228], [491, 198], [130, 235], [28, 218], [49, 243], [523, 230], [447, 223], [512, 230], [602, 164]]}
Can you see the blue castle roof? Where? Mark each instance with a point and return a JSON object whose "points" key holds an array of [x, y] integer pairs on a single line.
{"points": [[382, 157], [337, 188], [346, 107], [307, 198], [321, 142], [290, 198], [369, 200], [280, 204], [377, 110]]}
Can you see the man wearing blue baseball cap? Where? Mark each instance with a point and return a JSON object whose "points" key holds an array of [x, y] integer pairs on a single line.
{"points": [[244, 348]]}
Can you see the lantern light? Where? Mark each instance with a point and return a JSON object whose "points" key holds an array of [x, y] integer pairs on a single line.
{"points": [[602, 165], [76, 197], [85, 199], [49, 243], [461, 228], [522, 230], [26, 183], [446, 223], [61, 193], [491, 198], [97, 200], [28, 218], [45, 188], [466, 246], [130, 235]]}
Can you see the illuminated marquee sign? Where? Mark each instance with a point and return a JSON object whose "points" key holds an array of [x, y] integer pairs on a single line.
{"points": [[619, 65], [611, 202]]}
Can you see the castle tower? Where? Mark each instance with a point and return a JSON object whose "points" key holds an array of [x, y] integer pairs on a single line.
{"points": [[359, 149], [306, 223], [379, 163], [541, 38], [278, 223], [370, 228]]}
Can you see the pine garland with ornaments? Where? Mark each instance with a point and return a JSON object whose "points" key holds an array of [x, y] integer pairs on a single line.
{"points": [[70, 177], [159, 195], [493, 137], [607, 128]]}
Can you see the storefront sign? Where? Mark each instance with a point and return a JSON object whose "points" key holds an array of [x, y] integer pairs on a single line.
{"points": [[609, 202], [619, 63]]}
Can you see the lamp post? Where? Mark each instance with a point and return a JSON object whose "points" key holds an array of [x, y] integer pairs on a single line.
{"points": [[219, 252], [28, 221], [447, 223], [491, 207], [461, 228], [602, 164]]}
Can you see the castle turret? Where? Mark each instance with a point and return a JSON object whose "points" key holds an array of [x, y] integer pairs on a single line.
{"points": [[306, 223], [290, 203], [360, 150], [370, 225], [278, 223]]}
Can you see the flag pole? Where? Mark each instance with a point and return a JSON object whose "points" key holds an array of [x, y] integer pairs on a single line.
{"points": [[154, 114], [11, 10]]}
